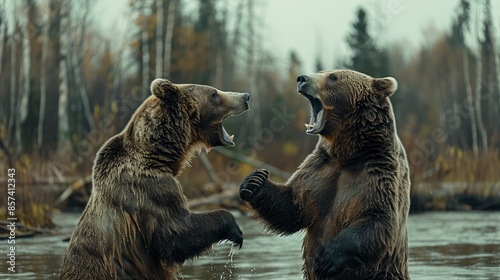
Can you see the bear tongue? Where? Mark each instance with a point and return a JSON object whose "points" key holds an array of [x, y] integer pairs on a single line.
{"points": [[228, 139]]}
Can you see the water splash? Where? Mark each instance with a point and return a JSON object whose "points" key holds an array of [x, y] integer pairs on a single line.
{"points": [[229, 264], [231, 253]]}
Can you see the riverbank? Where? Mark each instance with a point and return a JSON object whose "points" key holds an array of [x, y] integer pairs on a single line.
{"points": [[455, 196]]}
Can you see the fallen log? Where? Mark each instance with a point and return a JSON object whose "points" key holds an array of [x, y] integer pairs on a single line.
{"points": [[228, 199], [21, 230], [210, 171], [256, 163], [76, 186]]}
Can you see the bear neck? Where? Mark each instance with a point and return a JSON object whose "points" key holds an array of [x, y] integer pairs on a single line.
{"points": [[164, 146], [363, 139]]}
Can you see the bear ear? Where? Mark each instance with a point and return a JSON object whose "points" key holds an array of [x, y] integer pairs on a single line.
{"points": [[385, 86], [163, 88]]}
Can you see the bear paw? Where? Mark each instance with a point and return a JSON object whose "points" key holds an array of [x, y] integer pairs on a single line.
{"points": [[234, 234], [251, 187]]}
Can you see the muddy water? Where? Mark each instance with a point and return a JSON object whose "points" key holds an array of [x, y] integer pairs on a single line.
{"points": [[442, 246]]}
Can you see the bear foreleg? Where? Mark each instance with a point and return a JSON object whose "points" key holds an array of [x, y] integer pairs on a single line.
{"points": [[274, 203], [202, 230]]}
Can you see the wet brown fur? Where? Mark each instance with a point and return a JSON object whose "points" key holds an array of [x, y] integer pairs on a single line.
{"points": [[351, 194], [137, 224]]}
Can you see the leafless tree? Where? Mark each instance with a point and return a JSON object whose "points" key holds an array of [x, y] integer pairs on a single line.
{"points": [[43, 79], [75, 59], [471, 108], [24, 75], [13, 76], [159, 37], [63, 74], [478, 108], [254, 115], [169, 33], [145, 46], [2, 33]]}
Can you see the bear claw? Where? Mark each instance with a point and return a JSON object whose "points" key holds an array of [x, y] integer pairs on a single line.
{"points": [[247, 190], [251, 186]]}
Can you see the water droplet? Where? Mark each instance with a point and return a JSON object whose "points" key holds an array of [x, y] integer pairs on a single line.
{"points": [[231, 252]]}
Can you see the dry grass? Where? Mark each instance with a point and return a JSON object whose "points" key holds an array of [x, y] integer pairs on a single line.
{"points": [[454, 179], [33, 205]]}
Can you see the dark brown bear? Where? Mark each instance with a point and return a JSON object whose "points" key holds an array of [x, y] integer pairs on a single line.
{"points": [[137, 224], [351, 195]]}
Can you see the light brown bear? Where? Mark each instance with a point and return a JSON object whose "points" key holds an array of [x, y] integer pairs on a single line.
{"points": [[351, 194], [137, 224]]}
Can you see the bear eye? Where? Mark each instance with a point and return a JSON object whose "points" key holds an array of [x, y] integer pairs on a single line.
{"points": [[214, 94], [333, 77]]}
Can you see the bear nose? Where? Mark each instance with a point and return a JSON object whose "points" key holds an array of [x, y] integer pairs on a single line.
{"points": [[302, 79], [246, 96]]}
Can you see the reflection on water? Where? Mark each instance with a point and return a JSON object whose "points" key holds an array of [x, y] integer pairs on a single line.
{"points": [[455, 245], [442, 246]]}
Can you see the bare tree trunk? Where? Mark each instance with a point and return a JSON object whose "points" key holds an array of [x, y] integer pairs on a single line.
{"points": [[237, 25], [478, 109], [497, 80], [221, 47], [2, 42], [159, 37], [117, 70], [229, 61], [77, 72], [77, 68], [219, 70], [470, 103], [24, 78], [252, 69], [63, 76], [145, 48], [479, 79], [2, 34], [13, 95], [459, 137], [169, 33], [50, 123], [117, 76], [43, 83], [26, 68]]}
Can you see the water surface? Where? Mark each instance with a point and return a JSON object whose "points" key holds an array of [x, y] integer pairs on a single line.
{"points": [[443, 245]]}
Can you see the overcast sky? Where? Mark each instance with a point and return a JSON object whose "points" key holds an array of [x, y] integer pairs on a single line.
{"points": [[312, 26]]}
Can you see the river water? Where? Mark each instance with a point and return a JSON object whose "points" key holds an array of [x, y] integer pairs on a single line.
{"points": [[443, 245]]}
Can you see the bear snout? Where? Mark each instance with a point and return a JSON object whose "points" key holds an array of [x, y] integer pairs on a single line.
{"points": [[303, 83], [238, 101], [302, 79]]}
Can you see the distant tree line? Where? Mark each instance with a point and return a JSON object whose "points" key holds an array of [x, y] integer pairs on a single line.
{"points": [[61, 77], [65, 85]]}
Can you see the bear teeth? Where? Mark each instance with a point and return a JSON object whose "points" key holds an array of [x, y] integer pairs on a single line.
{"points": [[231, 137], [310, 125]]}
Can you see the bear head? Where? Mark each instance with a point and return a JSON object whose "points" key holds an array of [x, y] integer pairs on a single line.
{"points": [[345, 98], [197, 111]]}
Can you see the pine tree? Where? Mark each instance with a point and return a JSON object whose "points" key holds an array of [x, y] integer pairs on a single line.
{"points": [[460, 24], [489, 79], [366, 56]]}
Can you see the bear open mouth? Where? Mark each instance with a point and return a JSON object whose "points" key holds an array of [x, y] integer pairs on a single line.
{"points": [[316, 123], [227, 139]]}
